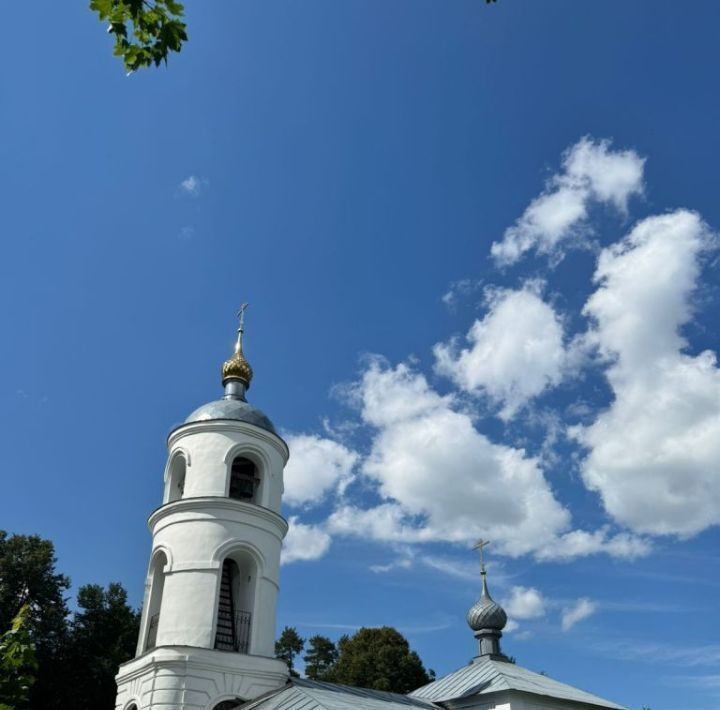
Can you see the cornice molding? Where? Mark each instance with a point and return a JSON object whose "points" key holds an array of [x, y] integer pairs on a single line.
{"points": [[212, 504], [225, 425], [199, 657]]}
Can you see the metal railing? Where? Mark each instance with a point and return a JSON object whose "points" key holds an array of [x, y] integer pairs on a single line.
{"points": [[242, 631], [152, 631]]}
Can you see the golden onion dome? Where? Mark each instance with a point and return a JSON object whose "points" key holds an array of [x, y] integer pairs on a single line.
{"points": [[237, 367]]}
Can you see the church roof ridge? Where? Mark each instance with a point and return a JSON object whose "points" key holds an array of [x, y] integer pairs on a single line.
{"points": [[305, 694], [487, 675]]}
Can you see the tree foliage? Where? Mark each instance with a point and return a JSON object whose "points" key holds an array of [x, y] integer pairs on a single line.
{"points": [[320, 658], [28, 576], [18, 664], [76, 659], [378, 658], [289, 645], [381, 659], [145, 32], [103, 634]]}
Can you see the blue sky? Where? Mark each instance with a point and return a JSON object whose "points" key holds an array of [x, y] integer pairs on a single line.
{"points": [[346, 167]]}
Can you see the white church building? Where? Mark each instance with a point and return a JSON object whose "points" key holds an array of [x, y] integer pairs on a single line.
{"points": [[207, 631]]}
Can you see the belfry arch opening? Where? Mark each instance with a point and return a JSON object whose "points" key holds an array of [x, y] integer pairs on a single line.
{"points": [[244, 480], [176, 482], [236, 603], [157, 584]]}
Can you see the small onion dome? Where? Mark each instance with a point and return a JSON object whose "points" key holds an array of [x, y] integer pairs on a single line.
{"points": [[237, 367], [486, 614]]}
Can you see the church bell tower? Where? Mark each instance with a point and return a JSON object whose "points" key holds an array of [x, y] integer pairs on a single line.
{"points": [[208, 621]]}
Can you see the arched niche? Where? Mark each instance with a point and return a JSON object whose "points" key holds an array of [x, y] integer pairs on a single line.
{"points": [[157, 584], [245, 480], [235, 607], [175, 486]]}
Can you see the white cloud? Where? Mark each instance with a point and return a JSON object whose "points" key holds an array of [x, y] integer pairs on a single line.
{"points": [[697, 681], [571, 615], [304, 542], [316, 466], [458, 290], [580, 543], [462, 569], [592, 172], [524, 603], [656, 653], [515, 352], [654, 454], [400, 563], [441, 480], [193, 185], [511, 627]]}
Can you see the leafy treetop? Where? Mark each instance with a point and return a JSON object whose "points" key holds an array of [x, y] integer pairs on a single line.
{"points": [[289, 645], [103, 634], [145, 32], [381, 659], [17, 663], [320, 658]]}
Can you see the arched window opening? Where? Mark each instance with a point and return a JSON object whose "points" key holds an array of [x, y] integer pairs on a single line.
{"points": [[176, 484], [244, 480], [157, 583], [132, 707], [228, 705], [235, 604]]}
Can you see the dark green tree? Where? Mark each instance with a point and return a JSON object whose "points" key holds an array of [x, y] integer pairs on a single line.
{"points": [[103, 634], [289, 645], [320, 658], [381, 659], [145, 32], [28, 576], [17, 663]]}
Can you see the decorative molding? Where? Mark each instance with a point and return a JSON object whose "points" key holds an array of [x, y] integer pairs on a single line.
{"points": [[195, 566], [228, 547], [200, 658], [229, 425], [209, 504], [168, 556]]}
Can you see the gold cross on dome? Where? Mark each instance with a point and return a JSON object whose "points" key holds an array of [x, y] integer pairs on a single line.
{"points": [[481, 545]]}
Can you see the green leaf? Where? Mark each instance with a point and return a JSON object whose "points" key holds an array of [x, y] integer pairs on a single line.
{"points": [[145, 32]]}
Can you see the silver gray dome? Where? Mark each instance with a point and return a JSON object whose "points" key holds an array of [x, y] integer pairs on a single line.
{"points": [[231, 409], [486, 613]]}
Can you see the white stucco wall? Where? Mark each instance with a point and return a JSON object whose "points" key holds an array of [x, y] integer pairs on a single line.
{"points": [[194, 679]]}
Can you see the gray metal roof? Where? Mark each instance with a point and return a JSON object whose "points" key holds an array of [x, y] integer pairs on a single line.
{"points": [[237, 409], [302, 694], [486, 675]]}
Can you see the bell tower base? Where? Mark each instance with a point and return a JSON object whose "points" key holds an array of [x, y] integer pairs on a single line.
{"points": [[173, 677]]}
